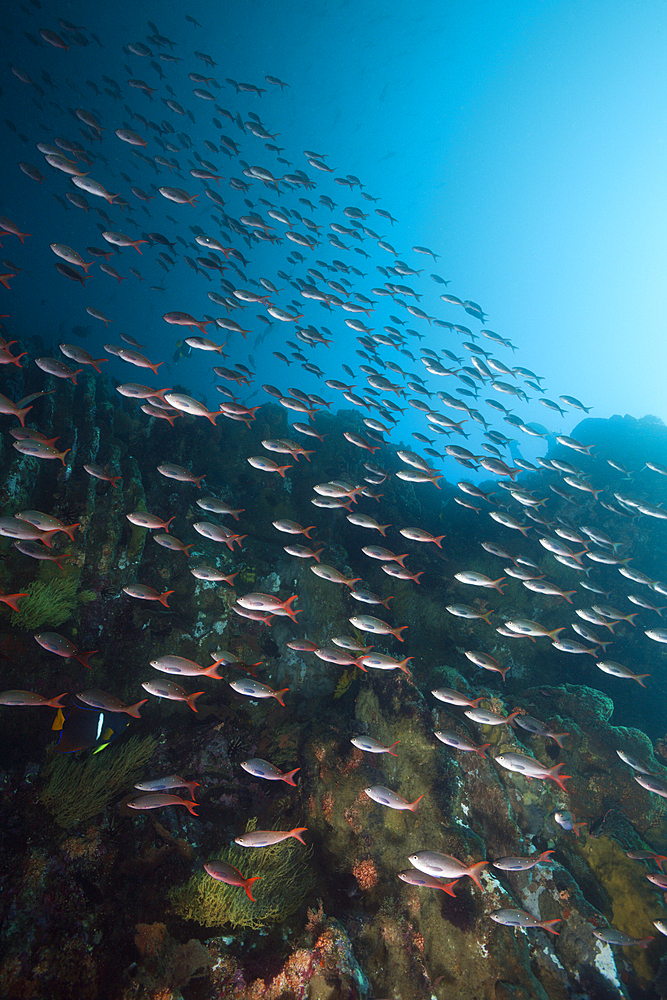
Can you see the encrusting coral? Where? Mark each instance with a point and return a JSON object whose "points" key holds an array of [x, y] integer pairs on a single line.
{"points": [[284, 879], [75, 790]]}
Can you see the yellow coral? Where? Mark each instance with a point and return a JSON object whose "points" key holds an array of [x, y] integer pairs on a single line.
{"points": [[285, 879], [74, 790]]}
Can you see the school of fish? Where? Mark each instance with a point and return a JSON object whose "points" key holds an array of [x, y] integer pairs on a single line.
{"points": [[158, 127]]}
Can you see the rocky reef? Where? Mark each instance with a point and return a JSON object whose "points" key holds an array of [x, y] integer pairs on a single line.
{"points": [[101, 901]]}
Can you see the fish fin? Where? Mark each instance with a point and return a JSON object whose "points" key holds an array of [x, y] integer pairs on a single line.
{"points": [[474, 872], [287, 776], [190, 700], [548, 925], [558, 737], [247, 883], [133, 710], [59, 719], [163, 597], [449, 887], [413, 805], [278, 695], [190, 806], [83, 657], [296, 834], [388, 750]]}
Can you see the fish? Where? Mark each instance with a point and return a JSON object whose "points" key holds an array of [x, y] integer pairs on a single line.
{"points": [[416, 878], [371, 745], [523, 864], [30, 699], [263, 769], [523, 919], [224, 872], [145, 593], [84, 728], [614, 937], [255, 689], [385, 797], [452, 739], [568, 822], [167, 783], [61, 646], [109, 703], [445, 866], [159, 800], [268, 838], [171, 691], [375, 625], [531, 768]]}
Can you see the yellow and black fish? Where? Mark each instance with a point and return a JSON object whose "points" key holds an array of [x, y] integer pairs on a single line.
{"points": [[84, 728]]}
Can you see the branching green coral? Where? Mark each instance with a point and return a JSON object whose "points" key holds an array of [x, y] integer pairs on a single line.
{"points": [[74, 790], [285, 879], [49, 602]]}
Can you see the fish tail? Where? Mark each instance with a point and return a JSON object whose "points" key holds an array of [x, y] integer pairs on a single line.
{"points": [[247, 883], [485, 616], [190, 806], [278, 695], [316, 555], [577, 826], [12, 599], [449, 887], [163, 597], [84, 657], [388, 750], [70, 529], [631, 618], [190, 700], [399, 559], [167, 523], [305, 531], [544, 857], [566, 594], [287, 776], [61, 455], [553, 635], [395, 632], [558, 737], [155, 367], [498, 585], [481, 748], [413, 805], [548, 925], [560, 779], [55, 702], [474, 872], [638, 678], [191, 785], [212, 671], [47, 537], [296, 832], [112, 480], [74, 375], [133, 710], [21, 414]]}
